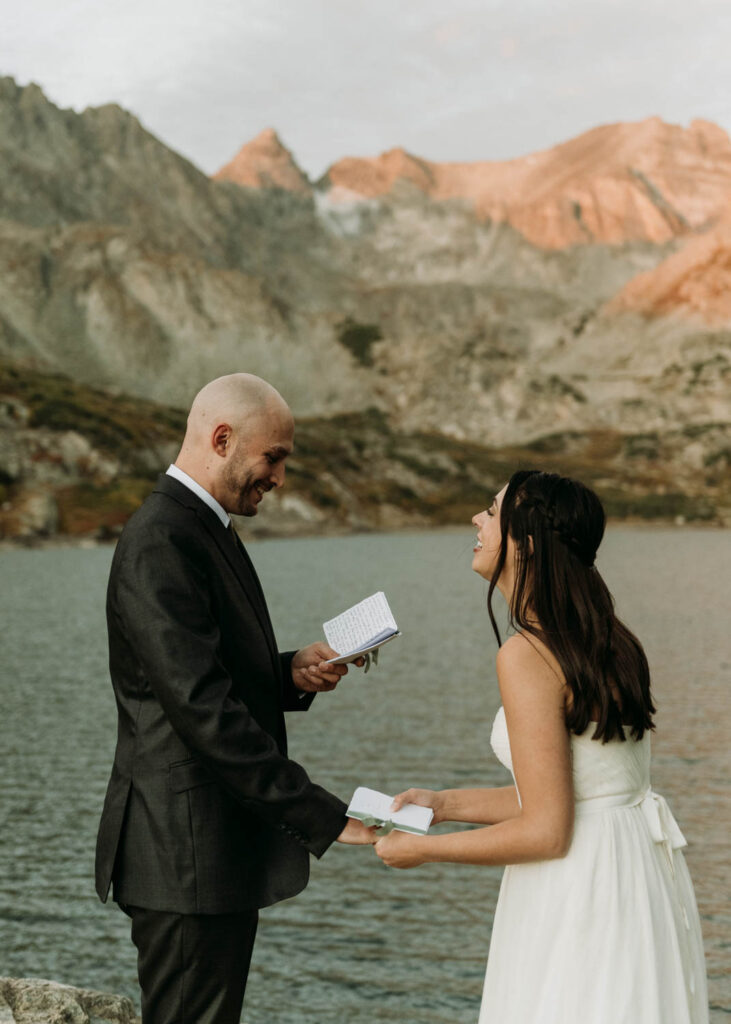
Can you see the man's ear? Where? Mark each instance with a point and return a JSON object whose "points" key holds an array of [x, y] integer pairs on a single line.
{"points": [[221, 439]]}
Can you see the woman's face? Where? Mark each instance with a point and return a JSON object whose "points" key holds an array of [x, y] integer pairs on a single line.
{"points": [[487, 548]]}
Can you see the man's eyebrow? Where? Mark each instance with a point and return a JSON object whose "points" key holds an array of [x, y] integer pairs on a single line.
{"points": [[280, 451]]}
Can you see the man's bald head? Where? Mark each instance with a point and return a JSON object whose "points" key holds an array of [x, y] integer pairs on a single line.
{"points": [[235, 398], [240, 430]]}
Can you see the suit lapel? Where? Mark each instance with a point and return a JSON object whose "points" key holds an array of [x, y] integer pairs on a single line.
{"points": [[242, 565], [234, 552]]}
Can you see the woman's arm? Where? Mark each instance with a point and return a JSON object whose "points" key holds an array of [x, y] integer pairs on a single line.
{"points": [[475, 806], [533, 698]]}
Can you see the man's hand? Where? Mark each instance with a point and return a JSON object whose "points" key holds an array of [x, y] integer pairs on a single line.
{"points": [[355, 833], [310, 672]]}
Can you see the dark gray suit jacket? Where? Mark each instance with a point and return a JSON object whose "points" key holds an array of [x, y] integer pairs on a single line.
{"points": [[204, 812]]}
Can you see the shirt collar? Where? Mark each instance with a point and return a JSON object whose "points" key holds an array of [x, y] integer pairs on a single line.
{"points": [[193, 485]]}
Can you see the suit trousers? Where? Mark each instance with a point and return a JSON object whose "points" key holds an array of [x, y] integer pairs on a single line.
{"points": [[192, 968]]}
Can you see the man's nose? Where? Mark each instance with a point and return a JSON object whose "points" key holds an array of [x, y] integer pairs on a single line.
{"points": [[276, 477]]}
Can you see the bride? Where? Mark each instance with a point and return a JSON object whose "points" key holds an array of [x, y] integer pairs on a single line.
{"points": [[596, 922]]}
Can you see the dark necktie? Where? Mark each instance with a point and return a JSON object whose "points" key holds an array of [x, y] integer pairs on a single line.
{"points": [[233, 539]]}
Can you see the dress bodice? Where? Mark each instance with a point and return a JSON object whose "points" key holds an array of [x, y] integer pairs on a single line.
{"points": [[599, 769]]}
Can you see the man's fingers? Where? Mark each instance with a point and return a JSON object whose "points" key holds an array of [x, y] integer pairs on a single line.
{"points": [[325, 677], [357, 834], [323, 685], [337, 670], [324, 671], [320, 677]]}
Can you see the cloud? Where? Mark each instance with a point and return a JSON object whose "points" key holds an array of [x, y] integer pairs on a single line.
{"points": [[448, 32], [508, 47]]}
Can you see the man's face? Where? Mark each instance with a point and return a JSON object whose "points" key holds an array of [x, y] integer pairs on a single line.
{"points": [[256, 462]]}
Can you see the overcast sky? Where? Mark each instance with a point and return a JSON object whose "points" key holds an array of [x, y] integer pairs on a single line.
{"points": [[446, 79]]}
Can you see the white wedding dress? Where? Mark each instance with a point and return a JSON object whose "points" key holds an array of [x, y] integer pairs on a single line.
{"points": [[608, 934]]}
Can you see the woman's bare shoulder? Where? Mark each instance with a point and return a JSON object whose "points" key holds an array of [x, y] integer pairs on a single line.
{"points": [[524, 653]]}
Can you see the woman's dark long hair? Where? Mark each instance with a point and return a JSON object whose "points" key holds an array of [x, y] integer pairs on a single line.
{"points": [[559, 597]]}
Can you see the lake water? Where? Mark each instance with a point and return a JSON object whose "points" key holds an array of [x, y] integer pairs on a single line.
{"points": [[362, 943]]}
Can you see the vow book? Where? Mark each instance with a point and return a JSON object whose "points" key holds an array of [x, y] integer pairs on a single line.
{"points": [[374, 808], [365, 627]]}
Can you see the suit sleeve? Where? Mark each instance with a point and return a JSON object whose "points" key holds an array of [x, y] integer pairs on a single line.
{"points": [[163, 603]]}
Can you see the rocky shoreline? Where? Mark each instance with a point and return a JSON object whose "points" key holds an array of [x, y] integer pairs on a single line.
{"points": [[76, 461], [38, 1001]]}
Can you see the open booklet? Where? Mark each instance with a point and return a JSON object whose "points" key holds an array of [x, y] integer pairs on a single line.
{"points": [[361, 629], [374, 808]]}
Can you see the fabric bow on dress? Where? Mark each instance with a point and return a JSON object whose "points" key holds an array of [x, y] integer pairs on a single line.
{"points": [[663, 827]]}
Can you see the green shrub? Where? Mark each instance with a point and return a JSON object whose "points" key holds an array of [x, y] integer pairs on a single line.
{"points": [[86, 508], [359, 339]]}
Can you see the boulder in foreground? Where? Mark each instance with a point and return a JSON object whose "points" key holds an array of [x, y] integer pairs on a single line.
{"points": [[36, 1001]]}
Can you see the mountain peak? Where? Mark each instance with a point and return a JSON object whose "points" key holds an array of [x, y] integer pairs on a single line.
{"points": [[268, 137], [374, 176], [638, 181], [265, 162]]}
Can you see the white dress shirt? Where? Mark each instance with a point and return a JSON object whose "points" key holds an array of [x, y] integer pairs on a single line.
{"points": [[192, 485]]}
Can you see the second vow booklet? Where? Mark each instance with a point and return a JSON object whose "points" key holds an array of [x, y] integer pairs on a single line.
{"points": [[374, 808]]}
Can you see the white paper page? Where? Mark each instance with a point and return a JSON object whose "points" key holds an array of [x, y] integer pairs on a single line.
{"points": [[413, 816], [371, 803], [356, 627], [349, 656]]}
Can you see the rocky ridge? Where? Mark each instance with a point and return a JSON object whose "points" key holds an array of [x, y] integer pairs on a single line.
{"points": [[618, 183], [124, 265], [694, 282]]}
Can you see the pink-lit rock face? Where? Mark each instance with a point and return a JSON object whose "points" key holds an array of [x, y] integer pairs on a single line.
{"points": [[370, 177], [264, 163], [694, 282], [646, 181]]}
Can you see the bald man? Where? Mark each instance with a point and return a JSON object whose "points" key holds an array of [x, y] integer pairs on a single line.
{"points": [[206, 819]]}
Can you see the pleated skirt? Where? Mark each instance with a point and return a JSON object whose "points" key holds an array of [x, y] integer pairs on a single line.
{"points": [[609, 934]]}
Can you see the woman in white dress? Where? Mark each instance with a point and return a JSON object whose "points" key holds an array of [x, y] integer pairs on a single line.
{"points": [[596, 921]]}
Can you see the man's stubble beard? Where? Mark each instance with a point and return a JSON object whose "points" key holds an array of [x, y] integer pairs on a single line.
{"points": [[240, 491]]}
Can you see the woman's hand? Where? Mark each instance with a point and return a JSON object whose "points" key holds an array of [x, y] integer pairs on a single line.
{"points": [[422, 797], [401, 849]]}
